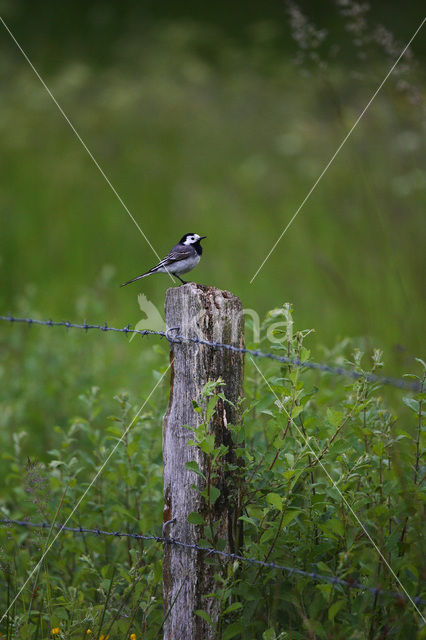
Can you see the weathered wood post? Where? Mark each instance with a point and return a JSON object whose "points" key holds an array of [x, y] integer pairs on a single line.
{"points": [[210, 314]]}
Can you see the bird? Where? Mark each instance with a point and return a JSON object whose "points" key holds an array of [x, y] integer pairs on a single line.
{"points": [[183, 257]]}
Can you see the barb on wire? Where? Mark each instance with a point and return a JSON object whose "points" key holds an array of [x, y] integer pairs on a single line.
{"points": [[177, 338], [313, 575], [85, 326]]}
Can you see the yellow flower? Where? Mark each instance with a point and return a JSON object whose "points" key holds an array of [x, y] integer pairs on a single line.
{"points": [[133, 636], [55, 631]]}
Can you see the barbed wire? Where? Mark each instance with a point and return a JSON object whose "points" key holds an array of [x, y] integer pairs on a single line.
{"points": [[297, 362], [313, 575]]}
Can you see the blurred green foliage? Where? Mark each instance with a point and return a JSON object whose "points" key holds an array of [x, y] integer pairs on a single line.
{"points": [[197, 133]]}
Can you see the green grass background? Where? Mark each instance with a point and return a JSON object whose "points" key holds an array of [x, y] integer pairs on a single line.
{"points": [[199, 131]]}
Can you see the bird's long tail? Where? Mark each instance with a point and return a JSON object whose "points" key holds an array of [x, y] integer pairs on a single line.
{"points": [[148, 273]]}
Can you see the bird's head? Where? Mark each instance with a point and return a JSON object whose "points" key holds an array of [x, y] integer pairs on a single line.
{"points": [[191, 238]]}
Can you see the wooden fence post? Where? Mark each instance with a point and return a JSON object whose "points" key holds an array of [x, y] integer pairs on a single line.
{"points": [[188, 576]]}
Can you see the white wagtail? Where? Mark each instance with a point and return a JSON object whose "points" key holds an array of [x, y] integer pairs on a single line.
{"points": [[184, 256]]}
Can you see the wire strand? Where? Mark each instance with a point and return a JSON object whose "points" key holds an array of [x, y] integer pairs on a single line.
{"points": [[399, 383], [313, 575]]}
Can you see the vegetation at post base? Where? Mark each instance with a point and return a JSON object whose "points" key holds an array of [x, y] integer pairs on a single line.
{"points": [[330, 465]]}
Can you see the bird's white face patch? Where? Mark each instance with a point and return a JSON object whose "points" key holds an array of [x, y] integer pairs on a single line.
{"points": [[194, 237]]}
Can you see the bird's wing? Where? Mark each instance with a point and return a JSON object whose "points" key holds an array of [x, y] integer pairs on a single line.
{"points": [[176, 254]]}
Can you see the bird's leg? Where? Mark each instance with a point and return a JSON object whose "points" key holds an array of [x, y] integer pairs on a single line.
{"points": [[182, 281]]}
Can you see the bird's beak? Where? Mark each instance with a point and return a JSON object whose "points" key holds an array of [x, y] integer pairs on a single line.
{"points": [[202, 237]]}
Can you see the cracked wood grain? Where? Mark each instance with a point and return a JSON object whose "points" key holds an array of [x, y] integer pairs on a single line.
{"points": [[210, 314]]}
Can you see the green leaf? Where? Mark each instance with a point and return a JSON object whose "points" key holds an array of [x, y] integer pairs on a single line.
{"points": [[296, 410], [114, 431], [205, 616], [335, 608], [133, 447], [304, 354], [195, 518], [378, 448], [210, 386], [233, 607], [211, 407], [207, 444], [232, 630], [321, 566], [289, 459], [249, 520], [290, 515], [267, 534], [193, 466], [333, 526], [214, 494], [55, 463], [275, 500], [288, 474], [334, 417], [411, 403]]}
